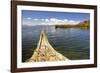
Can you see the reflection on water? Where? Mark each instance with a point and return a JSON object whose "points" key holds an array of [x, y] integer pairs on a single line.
{"points": [[71, 42]]}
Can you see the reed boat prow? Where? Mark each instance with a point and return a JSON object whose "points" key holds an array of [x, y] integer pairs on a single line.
{"points": [[45, 52]]}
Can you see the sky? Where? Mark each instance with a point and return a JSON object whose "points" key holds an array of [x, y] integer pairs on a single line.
{"points": [[31, 18]]}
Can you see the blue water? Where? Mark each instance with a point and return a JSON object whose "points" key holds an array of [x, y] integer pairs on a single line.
{"points": [[71, 42]]}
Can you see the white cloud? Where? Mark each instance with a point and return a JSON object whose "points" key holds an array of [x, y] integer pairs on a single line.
{"points": [[46, 20], [53, 19], [35, 19], [65, 20], [71, 21], [50, 21], [29, 18]]}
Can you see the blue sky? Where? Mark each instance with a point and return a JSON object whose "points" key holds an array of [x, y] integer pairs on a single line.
{"points": [[31, 17]]}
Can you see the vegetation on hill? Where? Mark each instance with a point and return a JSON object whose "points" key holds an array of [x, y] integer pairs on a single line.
{"points": [[84, 24]]}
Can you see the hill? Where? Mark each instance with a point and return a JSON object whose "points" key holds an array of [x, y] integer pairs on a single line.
{"points": [[81, 24]]}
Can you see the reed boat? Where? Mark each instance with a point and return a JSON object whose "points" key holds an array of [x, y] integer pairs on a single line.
{"points": [[45, 52]]}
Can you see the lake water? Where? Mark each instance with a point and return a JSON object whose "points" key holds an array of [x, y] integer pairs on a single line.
{"points": [[71, 42]]}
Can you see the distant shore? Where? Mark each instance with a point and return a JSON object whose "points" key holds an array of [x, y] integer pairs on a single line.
{"points": [[84, 24]]}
